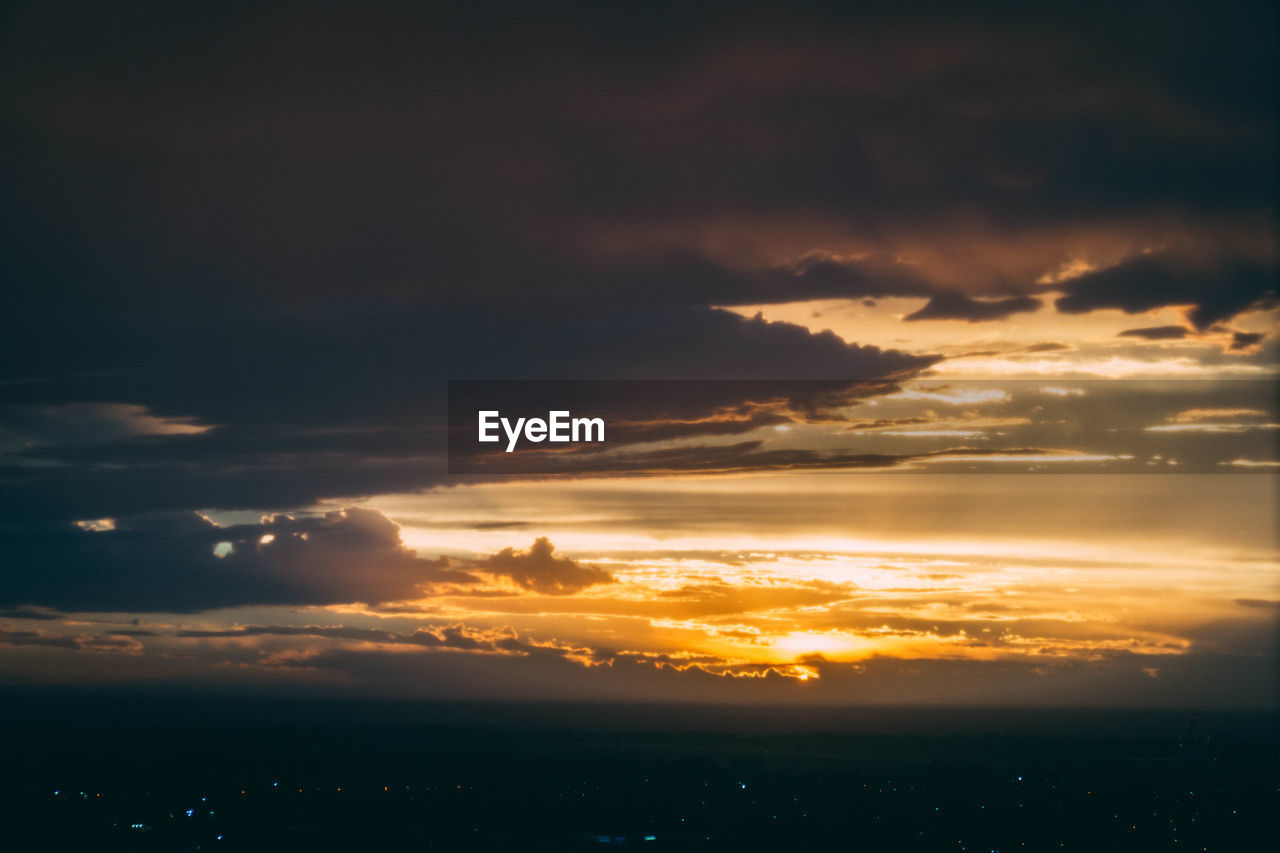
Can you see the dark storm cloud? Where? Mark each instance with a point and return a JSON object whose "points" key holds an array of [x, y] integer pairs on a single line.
{"points": [[957, 306], [258, 467], [294, 230], [821, 276], [1245, 340], [273, 162], [1216, 291], [1156, 333], [168, 562], [182, 563], [374, 423]]}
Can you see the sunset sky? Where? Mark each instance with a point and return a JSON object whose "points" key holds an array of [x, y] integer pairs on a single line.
{"points": [[1034, 254]]}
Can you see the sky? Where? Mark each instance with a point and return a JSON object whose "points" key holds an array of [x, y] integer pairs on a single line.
{"points": [[939, 351]]}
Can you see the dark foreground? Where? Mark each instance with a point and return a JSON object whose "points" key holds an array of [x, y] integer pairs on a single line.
{"points": [[126, 777]]}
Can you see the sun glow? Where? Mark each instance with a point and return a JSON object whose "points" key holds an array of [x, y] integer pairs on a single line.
{"points": [[833, 645]]}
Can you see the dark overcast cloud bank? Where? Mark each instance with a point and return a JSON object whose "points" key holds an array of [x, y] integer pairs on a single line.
{"points": [[289, 225], [179, 562], [957, 306], [1216, 291], [167, 562]]}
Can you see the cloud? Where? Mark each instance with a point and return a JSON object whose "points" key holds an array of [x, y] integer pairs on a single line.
{"points": [[1215, 291], [244, 285], [375, 423], [755, 455], [86, 423], [1191, 416], [31, 613], [564, 672], [539, 570], [823, 275], [37, 638], [1156, 333], [77, 642], [170, 562], [453, 636], [304, 269], [957, 306], [1245, 340]]}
